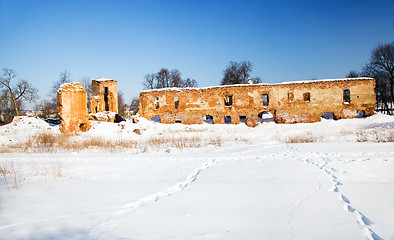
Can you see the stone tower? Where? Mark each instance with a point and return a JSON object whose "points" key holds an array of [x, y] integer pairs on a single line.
{"points": [[72, 108], [104, 95]]}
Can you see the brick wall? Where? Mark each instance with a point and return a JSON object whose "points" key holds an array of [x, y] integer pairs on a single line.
{"points": [[287, 102]]}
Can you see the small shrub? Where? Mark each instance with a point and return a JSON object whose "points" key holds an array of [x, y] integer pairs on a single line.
{"points": [[12, 177], [375, 136], [137, 131], [300, 139]]}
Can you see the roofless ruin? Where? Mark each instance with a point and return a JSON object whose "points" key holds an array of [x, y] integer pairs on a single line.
{"points": [[291, 102]]}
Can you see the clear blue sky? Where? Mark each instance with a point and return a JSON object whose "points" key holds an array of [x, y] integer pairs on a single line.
{"points": [[125, 40]]}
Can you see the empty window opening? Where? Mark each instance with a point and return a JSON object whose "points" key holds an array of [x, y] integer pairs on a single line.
{"points": [[156, 103], [242, 119], [346, 96], [360, 114], [228, 101], [95, 109], [155, 119], [227, 120], [290, 96], [178, 121], [265, 100], [106, 99], [208, 119], [328, 115], [307, 97], [265, 117], [176, 101], [82, 126]]}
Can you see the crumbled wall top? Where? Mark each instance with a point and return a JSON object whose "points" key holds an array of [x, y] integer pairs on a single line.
{"points": [[103, 79], [74, 86], [266, 84]]}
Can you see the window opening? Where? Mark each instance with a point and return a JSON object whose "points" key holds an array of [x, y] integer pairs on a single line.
{"points": [[228, 101], [328, 115], [178, 121], [307, 97], [155, 119], [176, 100], [265, 117], [227, 120], [290, 96], [208, 119], [346, 96], [242, 119], [265, 100], [156, 103], [360, 114], [82, 126], [106, 99]]}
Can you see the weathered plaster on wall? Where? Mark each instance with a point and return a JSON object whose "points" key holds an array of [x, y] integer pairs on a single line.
{"points": [[72, 108], [97, 101], [325, 96]]}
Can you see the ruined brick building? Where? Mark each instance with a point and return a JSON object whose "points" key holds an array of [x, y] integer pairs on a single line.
{"points": [[292, 102], [104, 95], [72, 100]]}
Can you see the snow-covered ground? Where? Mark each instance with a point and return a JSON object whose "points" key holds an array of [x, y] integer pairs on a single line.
{"points": [[224, 182]]}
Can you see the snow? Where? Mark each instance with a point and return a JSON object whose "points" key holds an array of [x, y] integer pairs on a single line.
{"points": [[103, 79], [73, 86], [254, 185], [104, 116], [256, 84]]}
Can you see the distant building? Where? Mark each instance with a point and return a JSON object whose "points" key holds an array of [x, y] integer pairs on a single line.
{"points": [[291, 102], [104, 95]]}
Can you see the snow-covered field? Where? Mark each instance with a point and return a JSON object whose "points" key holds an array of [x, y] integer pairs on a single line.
{"points": [[222, 182]]}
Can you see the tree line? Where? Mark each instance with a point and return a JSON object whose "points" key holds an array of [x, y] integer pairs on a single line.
{"points": [[380, 66], [165, 78], [235, 73]]}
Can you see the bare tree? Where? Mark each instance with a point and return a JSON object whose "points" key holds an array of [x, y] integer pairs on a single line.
{"points": [[150, 81], [121, 104], [352, 74], [165, 78], [46, 109], [381, 67], [257, 80], [382, 90], [245, 69], [238, 73], [175, 79], [232, 74], [134, 106], [21, 91], [188, 82], [87, 84], [64, 78]]}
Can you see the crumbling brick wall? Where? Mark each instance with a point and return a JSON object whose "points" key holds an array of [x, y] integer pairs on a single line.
{"points": [[72, 108], [104, 96], [293, 102]]}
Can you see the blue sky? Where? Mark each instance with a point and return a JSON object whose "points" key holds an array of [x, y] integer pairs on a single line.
{"points": [[125, 40]]}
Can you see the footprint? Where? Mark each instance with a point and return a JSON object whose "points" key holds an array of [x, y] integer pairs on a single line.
{"points": [[349, 208], [362, 219], [345, 199]]}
